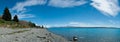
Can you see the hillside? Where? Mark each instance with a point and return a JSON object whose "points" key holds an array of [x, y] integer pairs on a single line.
{"points": [[12, 24], [7, 21]]}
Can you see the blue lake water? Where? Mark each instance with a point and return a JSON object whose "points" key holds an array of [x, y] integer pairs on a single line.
{"points": [[89, 34]]}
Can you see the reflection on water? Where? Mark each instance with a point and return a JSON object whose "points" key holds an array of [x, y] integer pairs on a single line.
{"points": [[89, 34]]}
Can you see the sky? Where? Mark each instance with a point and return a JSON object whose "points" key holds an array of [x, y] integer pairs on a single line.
{"points": [[57, 13]]}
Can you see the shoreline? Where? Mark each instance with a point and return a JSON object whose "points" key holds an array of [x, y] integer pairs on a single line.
{"points": [[29, 35]]}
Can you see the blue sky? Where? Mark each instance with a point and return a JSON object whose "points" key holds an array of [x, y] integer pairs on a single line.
{"points": [[82, 13]]}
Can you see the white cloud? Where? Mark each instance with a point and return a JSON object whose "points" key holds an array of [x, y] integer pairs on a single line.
{"points": [[74, 24], [21, 6], [25, 16], [82, 24], [48, 26], [114, 22], [107, 7], [66, 3], [54, 25]]}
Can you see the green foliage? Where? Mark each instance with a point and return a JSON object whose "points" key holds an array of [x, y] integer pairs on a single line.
{"points": [[32, 24], [15, 18], [2, 21], [6, 15], [5, 21]]}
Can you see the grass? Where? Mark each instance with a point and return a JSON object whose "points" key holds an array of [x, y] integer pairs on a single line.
{"points": [[12, 24]]}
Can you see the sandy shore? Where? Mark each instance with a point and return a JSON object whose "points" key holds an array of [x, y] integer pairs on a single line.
{"points": [[29, 35]]}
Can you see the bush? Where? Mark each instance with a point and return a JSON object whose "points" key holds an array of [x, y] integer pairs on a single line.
{"points": [[15, 18]]}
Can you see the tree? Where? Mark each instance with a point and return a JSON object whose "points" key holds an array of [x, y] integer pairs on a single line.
{"points": [[6, 15], [16, 18], [42, 26], [32, 24]]}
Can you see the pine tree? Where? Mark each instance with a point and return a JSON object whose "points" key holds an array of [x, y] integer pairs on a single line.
{"points": [[16, 18], [6, 15]]}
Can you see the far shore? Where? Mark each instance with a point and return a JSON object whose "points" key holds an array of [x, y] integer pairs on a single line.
{"points": [[88, 27]]}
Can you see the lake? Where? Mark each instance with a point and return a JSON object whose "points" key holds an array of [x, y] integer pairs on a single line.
{"points": [[88, 34]]}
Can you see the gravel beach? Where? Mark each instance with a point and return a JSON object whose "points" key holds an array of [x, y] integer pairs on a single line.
{"points": [[29, 35]]}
